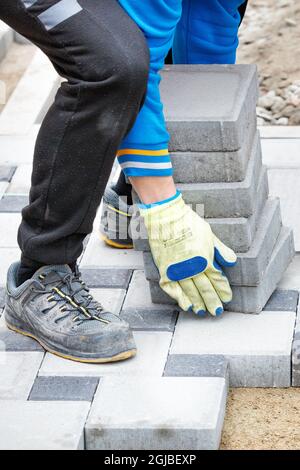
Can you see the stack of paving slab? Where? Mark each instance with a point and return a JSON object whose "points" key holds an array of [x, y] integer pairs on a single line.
{"points": [[216, 154]]}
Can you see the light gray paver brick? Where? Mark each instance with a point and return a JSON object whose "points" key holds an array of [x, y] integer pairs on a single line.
{"points": [[6, 172], [7, 256], [36, 425], [161, 413], [99, 254], [111, 299], [18, 371], [150, 360], [258, 347], [201, 115], [284, 183], [11, 224], [13, 204], [20, 183]]}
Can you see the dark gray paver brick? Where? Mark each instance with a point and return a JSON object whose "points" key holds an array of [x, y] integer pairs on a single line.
{"points": [[283, 301], [6, 172], [150, 319], [64, 388], [118, 278], [13, 203], [194, 365]]}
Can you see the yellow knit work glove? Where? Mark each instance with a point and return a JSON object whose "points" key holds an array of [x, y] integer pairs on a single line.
{"points": [[189, 257]]}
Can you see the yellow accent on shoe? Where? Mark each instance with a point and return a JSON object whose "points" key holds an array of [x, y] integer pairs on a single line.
{"points": [[118, 211], [118, 357], [114, 244]]}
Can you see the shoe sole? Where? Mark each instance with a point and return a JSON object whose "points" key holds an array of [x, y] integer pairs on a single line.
{"points": [[114, 244], [101, 360]]}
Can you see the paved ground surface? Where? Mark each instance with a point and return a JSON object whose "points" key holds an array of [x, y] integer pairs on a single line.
{"points": [[48, 402]]}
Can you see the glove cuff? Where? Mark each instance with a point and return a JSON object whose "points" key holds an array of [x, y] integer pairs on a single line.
{"points": [[146, 208]]}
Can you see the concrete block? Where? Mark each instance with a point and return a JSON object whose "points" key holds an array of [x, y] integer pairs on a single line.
{"points": [[64, 389], [13, 204], [20, 183], [42, 425], [3, 187], [18, 371], [212, 167], [239, 232], [106, 278], [97, 253], [194, 365], [6, 38], [281, 153], [236, 232], [111, 299], [157, 413], [209, 107], [284, 183], [250, 266], [150, 360], [6, 172], [250, 299], [17, 151], [258, 347], [11, 223], [7, 256], [227, 199], [141, 313]]}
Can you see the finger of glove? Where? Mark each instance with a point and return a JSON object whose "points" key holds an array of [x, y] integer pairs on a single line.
{"points": [[220, 284], [209, 295], [194, 295], [174, 290], [224, 255]]}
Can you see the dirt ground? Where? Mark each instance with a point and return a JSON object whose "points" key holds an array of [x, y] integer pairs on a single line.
{"points": [[270, 38], [262, 419]]}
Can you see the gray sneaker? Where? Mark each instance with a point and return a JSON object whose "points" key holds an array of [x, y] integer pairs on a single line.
{"points": [[55, 308]]}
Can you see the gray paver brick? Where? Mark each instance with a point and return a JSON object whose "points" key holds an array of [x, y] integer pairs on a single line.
{"points": [[13, 203], [258, 347], [106, 278], [201, 115], [194, 365], [36, 425], [227, 199], [6, 172], [157, 413]]}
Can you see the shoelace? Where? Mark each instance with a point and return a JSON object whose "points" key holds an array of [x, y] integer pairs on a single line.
{"points": [[73, 296]]}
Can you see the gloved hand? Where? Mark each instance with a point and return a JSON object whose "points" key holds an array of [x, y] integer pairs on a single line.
{"points": [[189, 257]]}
